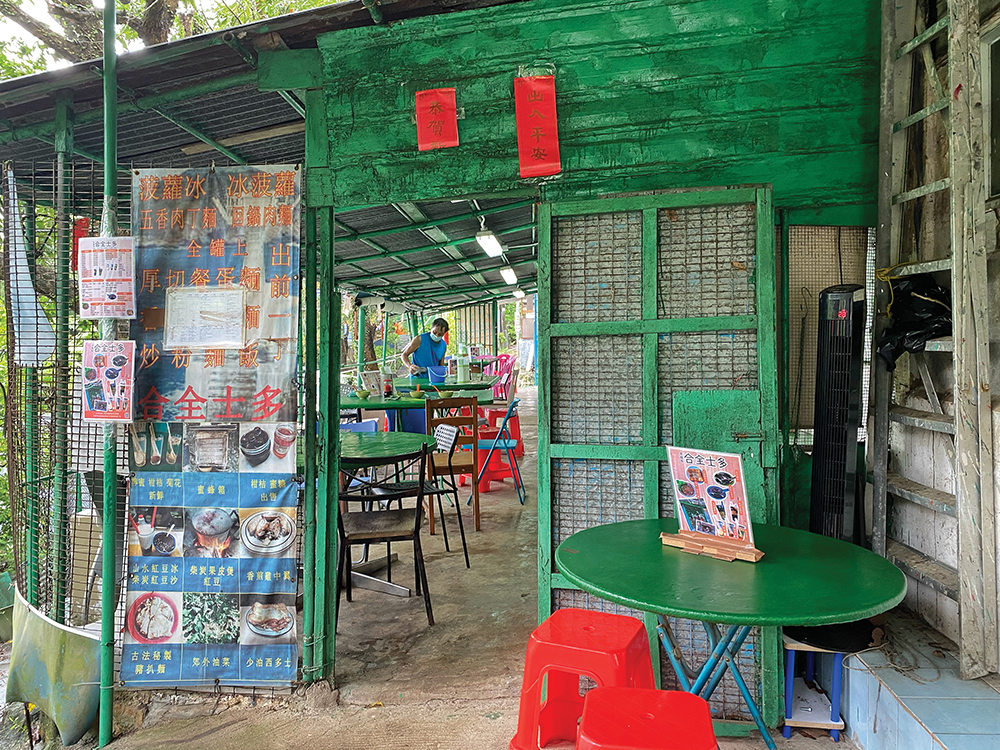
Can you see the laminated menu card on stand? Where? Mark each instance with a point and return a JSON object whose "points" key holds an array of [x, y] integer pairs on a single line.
{"points": [[712, 511]]}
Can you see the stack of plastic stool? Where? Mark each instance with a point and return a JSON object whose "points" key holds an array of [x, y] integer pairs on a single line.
{"points": [[612, 650], [494, 470], [631, 719]]}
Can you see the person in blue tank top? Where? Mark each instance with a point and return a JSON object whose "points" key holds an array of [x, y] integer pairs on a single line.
{"points": [[427, 349]]}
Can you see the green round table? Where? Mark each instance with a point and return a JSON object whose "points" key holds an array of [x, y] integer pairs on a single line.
{"points": [[360, 449], [803, 579]]}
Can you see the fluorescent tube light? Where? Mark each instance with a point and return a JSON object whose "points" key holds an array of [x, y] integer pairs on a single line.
{"points": [[489, 243], [518, 294], [508, 275]]}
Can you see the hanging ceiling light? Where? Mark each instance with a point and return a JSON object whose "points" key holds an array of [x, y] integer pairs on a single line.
{"points": [[489, 243], [518, 294], [487, 240], [508, 275]]}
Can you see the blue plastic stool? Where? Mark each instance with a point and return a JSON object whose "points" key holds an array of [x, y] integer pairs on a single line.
{"points": [[835, 723]]}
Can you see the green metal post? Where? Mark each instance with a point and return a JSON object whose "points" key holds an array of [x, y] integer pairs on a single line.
{"points": [[109, 228], [31, 442], [496, 328], [385, 339], [61, 407], [783, 300], [309, 670], [362, 335], [543, 337], [329, 430]]}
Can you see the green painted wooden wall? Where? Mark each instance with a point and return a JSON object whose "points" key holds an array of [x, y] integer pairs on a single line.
{"points": [[651, 94]]}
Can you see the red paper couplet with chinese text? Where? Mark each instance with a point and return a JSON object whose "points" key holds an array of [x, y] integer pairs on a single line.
{"points": [[537, 134], [437, 119]]}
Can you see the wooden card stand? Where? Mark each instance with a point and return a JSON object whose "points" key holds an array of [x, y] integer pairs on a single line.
{"points": [[706, 544]]}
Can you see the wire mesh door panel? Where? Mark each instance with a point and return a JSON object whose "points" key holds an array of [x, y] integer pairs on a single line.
{"points": [[646, 298]]}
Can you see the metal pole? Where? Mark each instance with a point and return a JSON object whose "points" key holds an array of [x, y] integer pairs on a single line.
{"points": [[109, 228], [61, 410], [309, 667], [385, 339], [496, 328], [362, 336], [31, 441]]}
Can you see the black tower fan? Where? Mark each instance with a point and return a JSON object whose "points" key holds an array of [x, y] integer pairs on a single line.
{"points": [[838, 412]]}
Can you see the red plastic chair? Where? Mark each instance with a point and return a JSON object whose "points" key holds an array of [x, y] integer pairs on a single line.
{"points": [[630, 719], [612, 650]]}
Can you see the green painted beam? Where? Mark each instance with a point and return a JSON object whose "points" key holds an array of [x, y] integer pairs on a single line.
{"points": [[250, 58], [663, 201], [282, 70], [609, 452], [197, 133], [662, 325]]}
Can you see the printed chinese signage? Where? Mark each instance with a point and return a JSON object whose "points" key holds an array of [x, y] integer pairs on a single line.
{"points": [[213, 504], [437, 119], [108, 380], [711, 495], [107, 277], [537, 131]]}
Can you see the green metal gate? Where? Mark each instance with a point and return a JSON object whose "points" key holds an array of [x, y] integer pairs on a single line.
{"points": [[657, 327]]}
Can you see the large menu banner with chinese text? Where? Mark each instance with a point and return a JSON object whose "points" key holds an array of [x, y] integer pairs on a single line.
{"points": [[213, 520]]}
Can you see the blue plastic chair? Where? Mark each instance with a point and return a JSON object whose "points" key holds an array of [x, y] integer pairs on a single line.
{"points": [[503, 442], [365, 425]]}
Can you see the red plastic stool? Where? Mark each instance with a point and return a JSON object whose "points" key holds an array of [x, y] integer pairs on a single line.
{"points": [[494, 470], [495, 418], [613, 650], [629, 719]]}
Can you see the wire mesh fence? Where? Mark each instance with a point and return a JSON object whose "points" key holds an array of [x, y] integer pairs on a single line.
{"points": [[55, 461]]}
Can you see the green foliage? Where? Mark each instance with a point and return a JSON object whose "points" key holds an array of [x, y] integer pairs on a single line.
{"points": [[19, 58]]}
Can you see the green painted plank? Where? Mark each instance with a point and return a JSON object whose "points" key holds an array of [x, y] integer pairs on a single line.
{"points": [[544, 368], [767, 335], [282, 70], [652, 202], [856, 215], [608, 452], [684, 93], [769, 651], [559, 581], [666, 325]]}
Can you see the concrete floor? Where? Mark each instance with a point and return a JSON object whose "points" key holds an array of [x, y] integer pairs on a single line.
{"points": [[403, 684]]}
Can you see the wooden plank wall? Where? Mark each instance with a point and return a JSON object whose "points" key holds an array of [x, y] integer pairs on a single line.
{"points": [[651, 94]]}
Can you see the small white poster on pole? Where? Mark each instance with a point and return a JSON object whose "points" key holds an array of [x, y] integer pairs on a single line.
{"points": [[107, 278]]}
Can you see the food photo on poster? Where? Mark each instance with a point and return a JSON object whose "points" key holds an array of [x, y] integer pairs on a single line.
{"points": [[108, 380]]}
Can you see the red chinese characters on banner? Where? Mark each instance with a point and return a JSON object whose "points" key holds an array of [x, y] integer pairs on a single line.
{"points": [[537, 132], [437, 119]]}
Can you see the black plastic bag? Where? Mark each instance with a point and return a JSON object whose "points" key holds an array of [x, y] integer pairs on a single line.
{"points": [[920, 311]]}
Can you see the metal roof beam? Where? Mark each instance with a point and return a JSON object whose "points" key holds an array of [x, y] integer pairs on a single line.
{"points": [[187, 127], [410, 289], [399, 253], [144, 104], [447, 220]]}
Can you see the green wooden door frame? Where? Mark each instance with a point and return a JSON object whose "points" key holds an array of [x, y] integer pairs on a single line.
{"points": [[651, 453]]}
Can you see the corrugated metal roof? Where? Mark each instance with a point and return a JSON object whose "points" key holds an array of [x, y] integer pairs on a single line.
{"points": [[147, 139]]}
